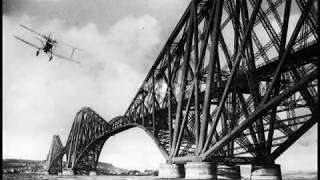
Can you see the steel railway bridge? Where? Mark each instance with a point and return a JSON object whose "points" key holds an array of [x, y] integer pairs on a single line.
{"points": [[235, 83]]}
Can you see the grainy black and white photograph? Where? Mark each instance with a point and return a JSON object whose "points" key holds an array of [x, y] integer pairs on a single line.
{"points": [[160, 89]]}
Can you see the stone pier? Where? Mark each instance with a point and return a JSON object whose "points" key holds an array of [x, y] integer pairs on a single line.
{"points": [[263, 172], [92, 173], [225, 172], [171, 171], [201, 170], [68, 172]]}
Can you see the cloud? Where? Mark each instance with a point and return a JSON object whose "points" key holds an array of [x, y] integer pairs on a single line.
{"points": [[100, 12], [42, 98]]}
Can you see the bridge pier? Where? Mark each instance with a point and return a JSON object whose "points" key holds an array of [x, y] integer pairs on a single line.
{"points": [[225, 172], [201, 170], [171, 171], [68, 172], [270, 172], [92, 173]]}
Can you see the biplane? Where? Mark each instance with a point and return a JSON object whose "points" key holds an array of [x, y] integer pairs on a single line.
{"points": [[48, 45]]}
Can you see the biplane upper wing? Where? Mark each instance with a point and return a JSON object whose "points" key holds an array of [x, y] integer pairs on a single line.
{"points": [[33, 45], [39, 34], [65, 58]]}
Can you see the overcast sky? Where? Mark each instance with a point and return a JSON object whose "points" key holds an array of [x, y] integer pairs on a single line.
{"points": [[121, 40]]}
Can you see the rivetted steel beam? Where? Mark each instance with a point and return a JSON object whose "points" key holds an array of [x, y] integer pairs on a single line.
{"points": [[212, 63], [235, 67], [196, 75], [282, 49], [143, 110], [169, 91], [259, 112], [184, 76], [245, 111], [153, 105], [183, 124], [252, 80], [283, 58], [295, 136], [218, 159]]}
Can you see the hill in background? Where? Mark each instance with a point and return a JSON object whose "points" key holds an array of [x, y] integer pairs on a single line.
{"points": [[36, 166], [107, 168]]}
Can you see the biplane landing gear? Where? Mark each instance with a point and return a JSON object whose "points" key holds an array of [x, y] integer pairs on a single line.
{"points": [[37, 53], [50, 58]]}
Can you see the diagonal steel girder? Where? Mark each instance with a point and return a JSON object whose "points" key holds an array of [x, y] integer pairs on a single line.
{"points": [[192, 57], [258, 113]]}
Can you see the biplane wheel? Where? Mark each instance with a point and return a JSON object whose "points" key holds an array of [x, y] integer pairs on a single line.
{"points": [[37, 53]]}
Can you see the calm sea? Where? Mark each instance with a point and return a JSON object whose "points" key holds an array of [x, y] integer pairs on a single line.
{"points": [[99, 177]]}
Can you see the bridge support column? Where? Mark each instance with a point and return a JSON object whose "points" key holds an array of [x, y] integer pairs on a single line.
{"points": [[92, 173], [201, 170], [68, 172], [228, 172], [171, 171], [270, 172]]}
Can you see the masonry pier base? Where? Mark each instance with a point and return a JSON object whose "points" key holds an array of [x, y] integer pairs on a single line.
{"points": [[171, 171], [262, 172], [92, 173], [225, 172], [201, 170], [68, 172]]}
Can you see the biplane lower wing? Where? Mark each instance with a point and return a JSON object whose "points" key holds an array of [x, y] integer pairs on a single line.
{"points": [[33, 45], [65, 58]]}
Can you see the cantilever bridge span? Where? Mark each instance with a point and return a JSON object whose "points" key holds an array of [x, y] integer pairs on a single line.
{"points": [[235, 83]]}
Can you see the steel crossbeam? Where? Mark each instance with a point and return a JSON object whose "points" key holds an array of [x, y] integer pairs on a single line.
{"points": [[226, 83]]}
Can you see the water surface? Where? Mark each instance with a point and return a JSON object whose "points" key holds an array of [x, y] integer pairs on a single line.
{"points": [[85, 177]]}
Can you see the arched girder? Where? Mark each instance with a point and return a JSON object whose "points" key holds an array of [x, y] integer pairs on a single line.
{"points": [[83, 148], [54, 158], [56, 164], [83, 163], [87, 126]]}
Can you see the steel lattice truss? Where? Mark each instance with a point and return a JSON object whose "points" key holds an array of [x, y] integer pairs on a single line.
{"points": [[85, 140], [233, 81], [236, 82], [54, 158]]}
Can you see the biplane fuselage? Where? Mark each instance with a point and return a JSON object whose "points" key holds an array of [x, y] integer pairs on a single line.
{"points": [[47, 48]]}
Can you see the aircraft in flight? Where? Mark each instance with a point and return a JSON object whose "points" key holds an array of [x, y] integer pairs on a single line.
{"points": [[48, 45]]}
